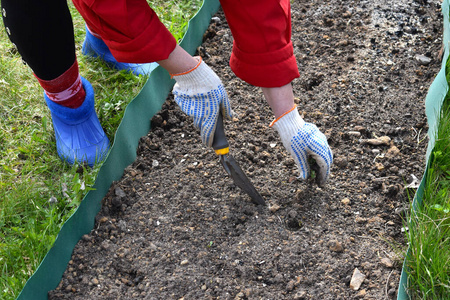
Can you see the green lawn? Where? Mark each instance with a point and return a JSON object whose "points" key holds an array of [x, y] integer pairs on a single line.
{"points": [[429, 225]]}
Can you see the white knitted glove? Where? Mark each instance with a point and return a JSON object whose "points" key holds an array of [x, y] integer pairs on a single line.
{"points": [[200, 94], [302, 140]]}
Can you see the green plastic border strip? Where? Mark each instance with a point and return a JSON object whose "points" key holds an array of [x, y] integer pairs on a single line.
{"points": [[433, 105], [134, 125]]}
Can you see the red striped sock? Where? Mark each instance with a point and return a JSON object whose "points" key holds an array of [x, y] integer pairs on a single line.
{"points": [[67, 89]]}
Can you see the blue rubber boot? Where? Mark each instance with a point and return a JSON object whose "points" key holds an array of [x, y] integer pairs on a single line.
{"points": [[95, 47], [79, 136]]}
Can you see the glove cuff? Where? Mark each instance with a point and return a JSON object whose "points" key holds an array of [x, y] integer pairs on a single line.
{"points": [[200, 79], [289, 123], [200, 60]]}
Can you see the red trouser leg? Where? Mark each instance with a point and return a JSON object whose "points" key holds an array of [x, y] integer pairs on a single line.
{"points": [[262, 54], [130, 28]]}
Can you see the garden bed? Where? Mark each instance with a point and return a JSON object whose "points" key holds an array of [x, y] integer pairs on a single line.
{"points": [[176, 226]]}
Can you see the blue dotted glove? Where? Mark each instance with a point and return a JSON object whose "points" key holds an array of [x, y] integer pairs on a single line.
{"points": [[304, 140], [201, 95]]}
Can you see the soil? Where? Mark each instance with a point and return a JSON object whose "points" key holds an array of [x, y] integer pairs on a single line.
{"points": [[176, 227]]}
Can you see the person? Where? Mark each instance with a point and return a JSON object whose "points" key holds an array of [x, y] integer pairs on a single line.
{"points": [[128, 34]]}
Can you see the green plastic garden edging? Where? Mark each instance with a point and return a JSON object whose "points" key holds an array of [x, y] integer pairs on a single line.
{"points": [[134, 125], [433, 104]]}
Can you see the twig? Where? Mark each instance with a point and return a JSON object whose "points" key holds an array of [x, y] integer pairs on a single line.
{"points": [[387, 283]]}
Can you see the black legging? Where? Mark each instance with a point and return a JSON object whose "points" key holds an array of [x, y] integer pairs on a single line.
{"points": [[42, 31]]}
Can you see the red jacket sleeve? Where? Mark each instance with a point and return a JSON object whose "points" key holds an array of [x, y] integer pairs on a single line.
{"points": [[262, 53]]}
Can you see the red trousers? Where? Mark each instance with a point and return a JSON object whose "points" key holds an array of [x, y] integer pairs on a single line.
{"points": [[262, 50]]}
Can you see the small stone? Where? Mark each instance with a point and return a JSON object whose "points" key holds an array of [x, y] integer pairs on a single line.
{"points": [[342, 43], [393, 169], [341, 162], [347, 14], [105, 245], [300, 295], [103, 220], [124, 280], [361, 294], [278, 278], [414, 182], [184, 262], [379, 166], [357, 279], [119, 192], [292, 214], [122, 225], [215, 19], [354, 133], [292, 179], [392, 292], [95, 281], [423, 60], [116, 202], [290, 285], [375, 220], [265, 154], [392, 152], [360, 220], [69, 288], [274, 208], [382, 140], [385, 261], [335, 246], [248, 292], [345, 201], [86, 237]]}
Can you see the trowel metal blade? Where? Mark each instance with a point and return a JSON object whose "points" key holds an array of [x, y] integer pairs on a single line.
{"points": [[240, 179]]}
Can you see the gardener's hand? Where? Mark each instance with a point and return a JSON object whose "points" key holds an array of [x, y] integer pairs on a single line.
{"points": [[201, 94], [304, 140]]}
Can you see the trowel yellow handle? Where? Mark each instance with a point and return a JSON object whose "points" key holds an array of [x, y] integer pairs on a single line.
{"points": [[220, 143]]}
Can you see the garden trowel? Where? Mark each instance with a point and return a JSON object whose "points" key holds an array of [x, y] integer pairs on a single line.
{"points": [[221, 147]]}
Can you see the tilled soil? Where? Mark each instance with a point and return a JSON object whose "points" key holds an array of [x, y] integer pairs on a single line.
{"points": [[176, 227]]}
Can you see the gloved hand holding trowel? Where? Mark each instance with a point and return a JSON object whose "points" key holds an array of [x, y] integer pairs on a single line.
{"points": [[302, 140], [201, 95]]}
